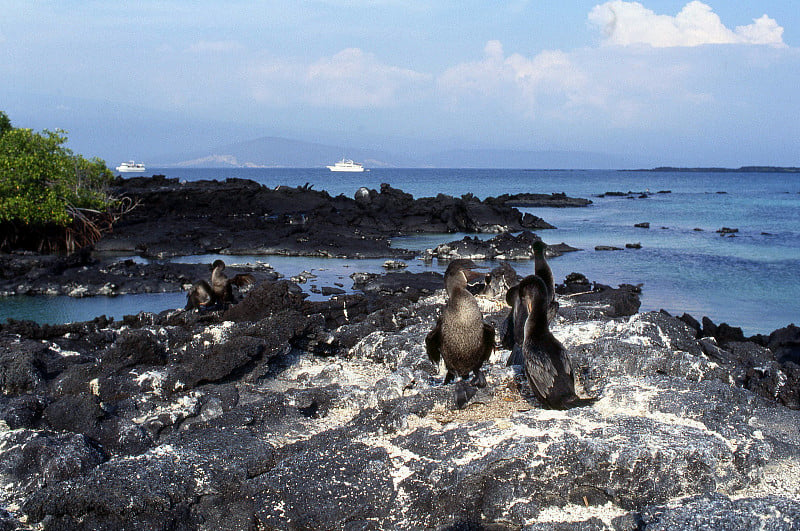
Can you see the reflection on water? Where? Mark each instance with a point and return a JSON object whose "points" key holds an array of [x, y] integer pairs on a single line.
{"points": [[63, 309], [674, 281]]}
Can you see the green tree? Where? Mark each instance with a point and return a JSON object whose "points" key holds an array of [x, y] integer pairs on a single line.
{"points": [[5, 123], [42, 183]]}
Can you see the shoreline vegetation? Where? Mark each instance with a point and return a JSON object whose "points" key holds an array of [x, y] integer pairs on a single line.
{"points": [[52, 200]]}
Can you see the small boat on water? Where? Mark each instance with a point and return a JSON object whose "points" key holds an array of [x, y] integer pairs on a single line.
{"points": [[130, 167], [347, 165]]}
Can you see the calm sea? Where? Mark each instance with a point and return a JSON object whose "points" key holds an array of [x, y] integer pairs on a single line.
{"points": [[750, 280]]}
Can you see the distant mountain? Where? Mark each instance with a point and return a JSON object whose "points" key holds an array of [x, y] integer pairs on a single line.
{"points": [[275, 152]]}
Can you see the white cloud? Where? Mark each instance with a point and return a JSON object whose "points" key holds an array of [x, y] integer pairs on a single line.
{"points": [[625, 23], [516, 78], [351, 78]]}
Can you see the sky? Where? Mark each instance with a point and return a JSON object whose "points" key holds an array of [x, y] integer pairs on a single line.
{"points": [[651, 83]]}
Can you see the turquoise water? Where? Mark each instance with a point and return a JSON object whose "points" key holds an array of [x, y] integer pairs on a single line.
{"points": [[750, 280]]}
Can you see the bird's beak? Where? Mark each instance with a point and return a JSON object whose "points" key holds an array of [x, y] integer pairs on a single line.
{"points": [[473, 275]]}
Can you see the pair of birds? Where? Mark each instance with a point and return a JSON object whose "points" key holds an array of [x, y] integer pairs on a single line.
{"points": [[465, 341], [218, 294]]}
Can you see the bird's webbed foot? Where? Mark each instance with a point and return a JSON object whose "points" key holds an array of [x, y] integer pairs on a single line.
{"points": [[463, 392], [479, 380]]}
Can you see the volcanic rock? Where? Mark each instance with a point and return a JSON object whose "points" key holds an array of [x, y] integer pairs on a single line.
{"points": [[187, 420]]}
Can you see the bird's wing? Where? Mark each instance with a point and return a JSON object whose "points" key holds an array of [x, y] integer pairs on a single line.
{"points": [[540, 371], [199, 295], [433, 342], [507, 331], [488, 341]]}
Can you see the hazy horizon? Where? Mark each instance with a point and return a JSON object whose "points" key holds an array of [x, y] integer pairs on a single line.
{"points": [[641, 85]]}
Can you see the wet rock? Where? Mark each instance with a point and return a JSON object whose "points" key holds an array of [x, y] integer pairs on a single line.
{"points": [[607, 248], [499, 279], [398, 282], [644, 225], [613, 302], [253, 219], [328, 291], [394, 264], [633, 245], [526, 200], [505, 246]]}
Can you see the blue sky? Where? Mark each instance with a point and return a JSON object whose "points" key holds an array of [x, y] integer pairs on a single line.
{"points": [[651, 83]]}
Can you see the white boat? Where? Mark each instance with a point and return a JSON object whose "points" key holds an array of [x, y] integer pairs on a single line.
{"points": [[130, 166], [347, 165]]}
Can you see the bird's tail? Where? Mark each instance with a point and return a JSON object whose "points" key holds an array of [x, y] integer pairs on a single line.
{"points": [[516, 357], [576, 401]]}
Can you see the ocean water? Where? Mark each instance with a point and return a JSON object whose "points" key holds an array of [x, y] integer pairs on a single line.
{"points": [[684, 265]]}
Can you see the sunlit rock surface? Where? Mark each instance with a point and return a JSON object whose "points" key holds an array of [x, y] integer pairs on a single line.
{"points": [[285, 414]]}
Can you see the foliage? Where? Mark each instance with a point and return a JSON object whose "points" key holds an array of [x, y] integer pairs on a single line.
{"points": [[5, 123], [51, 198], [43, 182]]}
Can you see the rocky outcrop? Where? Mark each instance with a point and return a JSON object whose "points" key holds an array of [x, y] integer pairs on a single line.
{"points": [[326, 415], [526, 200], [768, 365], [505, 246], [34, 274], [243, 217]]}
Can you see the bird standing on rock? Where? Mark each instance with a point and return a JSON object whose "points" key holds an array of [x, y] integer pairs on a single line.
{"points": [[219, 292], [460, 336], [514, 325], [546, 362]]}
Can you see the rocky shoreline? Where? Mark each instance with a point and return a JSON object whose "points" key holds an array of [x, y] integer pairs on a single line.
{"points": [[283, 413], [243, 217]]}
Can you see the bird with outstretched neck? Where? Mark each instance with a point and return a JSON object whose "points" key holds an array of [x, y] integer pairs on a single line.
{"points": [[514, 325], [546, 362]]}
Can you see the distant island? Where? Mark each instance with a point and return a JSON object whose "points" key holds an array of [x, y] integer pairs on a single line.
{"points": [[743, 169]]}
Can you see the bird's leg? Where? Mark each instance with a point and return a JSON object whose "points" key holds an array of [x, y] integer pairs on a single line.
{"points": [[463, 392], [479, 380], [449, 377]]}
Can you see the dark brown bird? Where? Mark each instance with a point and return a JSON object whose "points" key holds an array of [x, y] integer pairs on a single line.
{"points": [[460, 336], [542, 270], [205, 296], [546, 362], [514, 325]]}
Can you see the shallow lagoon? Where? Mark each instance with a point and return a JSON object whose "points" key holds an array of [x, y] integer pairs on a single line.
{"points": [[749, 280]]}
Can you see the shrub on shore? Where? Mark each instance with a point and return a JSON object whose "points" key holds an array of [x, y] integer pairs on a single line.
{"points": [[50, 199]]}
